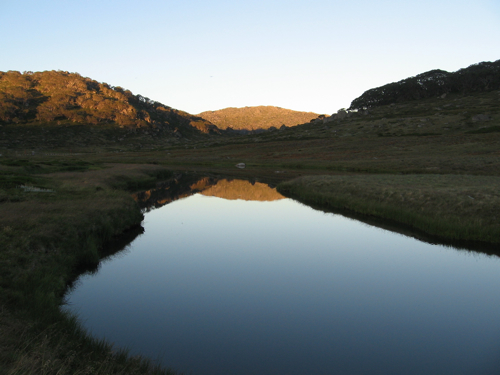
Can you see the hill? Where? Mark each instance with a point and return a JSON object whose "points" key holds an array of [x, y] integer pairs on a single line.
{"points": [[481, 77], [256, 118], [455, 134], [62, 99]]}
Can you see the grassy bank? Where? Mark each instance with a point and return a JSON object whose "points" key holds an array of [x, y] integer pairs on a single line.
{"points": [[55, 220], [458, 207], [68, 211]]}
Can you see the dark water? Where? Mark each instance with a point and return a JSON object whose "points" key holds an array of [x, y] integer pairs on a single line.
{"points": [[233, 286]]}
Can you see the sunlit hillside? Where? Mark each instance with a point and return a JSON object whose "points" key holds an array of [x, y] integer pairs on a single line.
{"points": [[254, 118], [57, 98]]}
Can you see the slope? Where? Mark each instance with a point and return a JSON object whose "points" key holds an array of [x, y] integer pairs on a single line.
{"points": [[57, 99], [256, 118]]}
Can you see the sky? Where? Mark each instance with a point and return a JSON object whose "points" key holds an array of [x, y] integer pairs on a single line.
{"points": [[194, 55]]}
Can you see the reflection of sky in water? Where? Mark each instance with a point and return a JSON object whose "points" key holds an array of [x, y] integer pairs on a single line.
{"points": [[237, 287]]}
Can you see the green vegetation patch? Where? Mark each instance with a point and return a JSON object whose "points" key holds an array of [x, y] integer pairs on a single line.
{"points": [[69, 165], [458, 207], [9, 181], [39, 166], [419, 134], [15, 162], [489, 129]]}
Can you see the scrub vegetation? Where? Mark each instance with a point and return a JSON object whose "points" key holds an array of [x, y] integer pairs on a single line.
{"points": [[424, 152], [52, 105], [476, 78]]}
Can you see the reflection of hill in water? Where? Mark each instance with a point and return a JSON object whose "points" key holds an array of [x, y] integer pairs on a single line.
{"points": [[202, 184], [241, 189], [184, 185]]}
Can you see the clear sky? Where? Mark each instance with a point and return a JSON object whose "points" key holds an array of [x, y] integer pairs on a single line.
{"points": [[194, 55]]}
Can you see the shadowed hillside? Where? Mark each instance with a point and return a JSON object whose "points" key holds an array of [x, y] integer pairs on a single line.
{"points": [[255, 118], [481, 77], [57, 99]]}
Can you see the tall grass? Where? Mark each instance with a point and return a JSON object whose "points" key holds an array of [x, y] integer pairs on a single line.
{"points": [[63, 347], [457, 207], [45, 240]]}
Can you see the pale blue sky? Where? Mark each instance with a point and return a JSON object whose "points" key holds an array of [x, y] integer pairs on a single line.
{"points": [[195, 55]]}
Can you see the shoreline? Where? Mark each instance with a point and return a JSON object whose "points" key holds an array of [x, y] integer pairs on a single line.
{"points": [[49, 241], [430, 204], [53, 236]]}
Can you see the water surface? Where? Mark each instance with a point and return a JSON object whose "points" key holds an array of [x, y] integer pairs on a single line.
{"points": [[222, 284]]}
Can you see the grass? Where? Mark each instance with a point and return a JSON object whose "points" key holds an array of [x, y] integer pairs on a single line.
{"points": [[458, 207], [64, 348], [488, 129], [46, 237]]}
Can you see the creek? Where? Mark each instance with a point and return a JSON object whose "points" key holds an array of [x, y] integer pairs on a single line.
{"points": [[229, 277]]}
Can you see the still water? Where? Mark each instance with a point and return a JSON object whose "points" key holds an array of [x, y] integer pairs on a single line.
{"points": [[231, 278]]}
